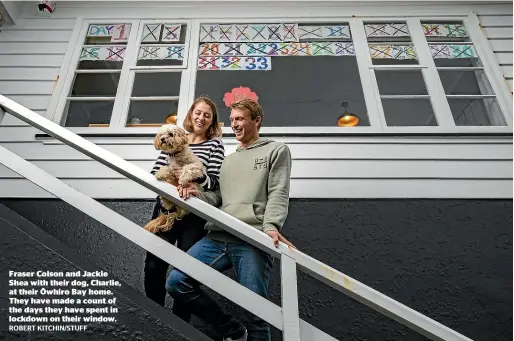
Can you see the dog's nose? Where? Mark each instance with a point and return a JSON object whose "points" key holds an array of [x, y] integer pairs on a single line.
{"points": [[163, 139]]}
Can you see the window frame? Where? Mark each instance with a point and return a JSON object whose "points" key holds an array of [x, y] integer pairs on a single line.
{"points": [[442, 112], [133, 69]]}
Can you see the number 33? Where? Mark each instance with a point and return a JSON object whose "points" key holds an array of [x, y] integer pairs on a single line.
{"points": [[251, 63]]}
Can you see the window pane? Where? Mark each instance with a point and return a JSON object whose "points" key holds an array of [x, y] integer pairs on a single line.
{"points": [[95, 84], [84, 113], [401, 82], [390, 44], [102, 57], [394, 54], [164, 33], [104, 46], [458, 62], [162, 44], [459, 55], [476, 112], [151, 112], [300, 73], [161, 56], [297, 91], [382, 61], [100, 65], [473, 82], [449, 31], [156, 84], [392, 32], [409, 112]]}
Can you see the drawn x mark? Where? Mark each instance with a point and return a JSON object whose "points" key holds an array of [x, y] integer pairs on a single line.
{"points": [[313, 32], [233, 49], [273, 32], [258, 31], [378, 30], [171, 32], [151, 32], [150, 52], [225, 33], [209, 34], [175, 50], [115, 53], [241, 32]]}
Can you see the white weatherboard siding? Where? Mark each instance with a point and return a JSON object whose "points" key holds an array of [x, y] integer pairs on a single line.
{"points": [[323, 167], [31, 54], [498, 30]]}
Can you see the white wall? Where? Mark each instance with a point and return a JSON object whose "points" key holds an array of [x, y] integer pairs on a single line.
{"points": [[497, 26], [31, 54]]}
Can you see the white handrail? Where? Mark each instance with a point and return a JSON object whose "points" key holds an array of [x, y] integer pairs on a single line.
{"points": [[366, 295]]}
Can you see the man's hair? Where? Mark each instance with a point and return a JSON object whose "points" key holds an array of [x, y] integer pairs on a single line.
{"points": [[250, 105], [214, 129]]}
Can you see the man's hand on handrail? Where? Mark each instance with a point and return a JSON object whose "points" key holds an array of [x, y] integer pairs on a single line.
{"points": [[277, 237]]}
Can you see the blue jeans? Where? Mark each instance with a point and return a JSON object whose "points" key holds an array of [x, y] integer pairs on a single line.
{"points": [[252, 267]]}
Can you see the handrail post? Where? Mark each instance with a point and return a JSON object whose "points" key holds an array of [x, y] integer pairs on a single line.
{"points": [[290, 313]]}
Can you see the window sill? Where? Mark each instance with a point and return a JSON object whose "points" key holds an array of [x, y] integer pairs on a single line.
{"points": [[145, 132]]}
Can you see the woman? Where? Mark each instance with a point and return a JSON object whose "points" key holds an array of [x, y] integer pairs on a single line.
{"points": [[204, 134]]}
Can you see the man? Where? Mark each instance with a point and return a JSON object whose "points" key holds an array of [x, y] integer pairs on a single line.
{"points": [[254, 188]]}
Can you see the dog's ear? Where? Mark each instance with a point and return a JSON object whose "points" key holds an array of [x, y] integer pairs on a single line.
{"points": [[157, 142], [181, 136], [184, 139]]}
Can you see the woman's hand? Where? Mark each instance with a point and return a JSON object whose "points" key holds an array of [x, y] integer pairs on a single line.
{"points": [[188, 190]]}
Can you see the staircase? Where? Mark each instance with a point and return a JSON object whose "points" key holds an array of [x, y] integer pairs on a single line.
{"points": [[138, 315], [284, 317]]}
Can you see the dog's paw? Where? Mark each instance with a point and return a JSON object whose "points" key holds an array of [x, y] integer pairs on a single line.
{"points": [[190, 173], [164, 173], [185, 178]]}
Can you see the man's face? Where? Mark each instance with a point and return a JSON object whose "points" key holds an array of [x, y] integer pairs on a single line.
{"points": [[243, 126]]}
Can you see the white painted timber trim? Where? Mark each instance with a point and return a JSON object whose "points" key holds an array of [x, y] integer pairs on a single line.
{"points": [[290, 313], [60, 82], [491, 66]]}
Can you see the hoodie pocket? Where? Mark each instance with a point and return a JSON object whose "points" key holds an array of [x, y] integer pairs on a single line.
{"points": [[243, 212]]}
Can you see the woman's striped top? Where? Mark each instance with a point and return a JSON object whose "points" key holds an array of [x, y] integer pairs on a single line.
{"points": [[210, 152]]}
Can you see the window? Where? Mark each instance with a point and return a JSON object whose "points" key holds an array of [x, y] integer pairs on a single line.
{"points": [[127, 75], [403, 94], [157, 74], [468, 91], [420, 75], [90, 100], [300, 73]]}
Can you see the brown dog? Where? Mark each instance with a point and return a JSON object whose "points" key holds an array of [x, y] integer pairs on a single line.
{"points": [[182, 162]]}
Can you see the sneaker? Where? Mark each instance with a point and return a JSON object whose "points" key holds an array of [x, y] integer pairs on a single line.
{"points": [[244, 337]]}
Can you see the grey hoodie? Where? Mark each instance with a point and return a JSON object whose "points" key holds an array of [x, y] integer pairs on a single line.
{"points": [[254, 187]]}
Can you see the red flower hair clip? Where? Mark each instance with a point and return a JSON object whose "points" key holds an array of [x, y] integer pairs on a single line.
{"points": [[238, 94]]}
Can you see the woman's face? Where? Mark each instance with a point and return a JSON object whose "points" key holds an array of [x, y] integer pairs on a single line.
{"points": [[201, 118]]}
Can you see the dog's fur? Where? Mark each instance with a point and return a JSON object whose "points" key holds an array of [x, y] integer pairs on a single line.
{"points": [[173, 140]]}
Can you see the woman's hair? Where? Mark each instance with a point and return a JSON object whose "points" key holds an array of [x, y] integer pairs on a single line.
{"points": [[214, 129]]}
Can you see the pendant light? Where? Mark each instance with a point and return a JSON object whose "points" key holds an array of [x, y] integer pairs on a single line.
{"points": [[347, 119], [172, 118]]}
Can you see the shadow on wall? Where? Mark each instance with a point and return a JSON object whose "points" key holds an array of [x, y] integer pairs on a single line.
{"points": [[448, 259]]}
